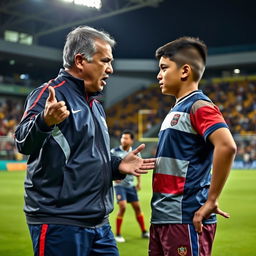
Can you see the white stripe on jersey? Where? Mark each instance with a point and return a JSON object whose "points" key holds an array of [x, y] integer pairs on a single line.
{"points": [[171, 166], [181, 122]]}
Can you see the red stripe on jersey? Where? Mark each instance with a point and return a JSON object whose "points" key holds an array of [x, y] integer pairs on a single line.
{"points": [[169, 184], [42, 240], [205, 117]]}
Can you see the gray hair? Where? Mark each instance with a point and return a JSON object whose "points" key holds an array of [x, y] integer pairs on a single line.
{"points": [[82, 40]]}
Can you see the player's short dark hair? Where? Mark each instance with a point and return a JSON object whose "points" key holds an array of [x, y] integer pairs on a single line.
{"points": [[186, 50], [126, 131]]}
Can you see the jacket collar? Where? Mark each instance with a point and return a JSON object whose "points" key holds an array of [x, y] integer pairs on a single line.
{"points": [[80, 84]]}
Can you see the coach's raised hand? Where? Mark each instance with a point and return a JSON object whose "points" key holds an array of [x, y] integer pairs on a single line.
{"points": [[54, 112]]}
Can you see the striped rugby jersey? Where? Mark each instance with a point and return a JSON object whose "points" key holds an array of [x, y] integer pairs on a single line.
{"points": [[182, 175]]}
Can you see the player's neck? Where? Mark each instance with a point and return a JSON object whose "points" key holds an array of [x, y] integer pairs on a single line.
{"points": [[186, 89], [126, 148]]}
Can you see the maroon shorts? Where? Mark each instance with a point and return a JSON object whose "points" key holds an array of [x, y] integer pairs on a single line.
{"points": [[180, 240]]}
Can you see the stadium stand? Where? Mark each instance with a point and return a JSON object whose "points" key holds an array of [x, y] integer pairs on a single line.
{"points": [[124, 114], [236, 98], [11, 110]]}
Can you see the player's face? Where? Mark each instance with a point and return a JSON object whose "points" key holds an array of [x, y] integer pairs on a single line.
{"points": [[98, 70], [126, 140], [169, 77]]}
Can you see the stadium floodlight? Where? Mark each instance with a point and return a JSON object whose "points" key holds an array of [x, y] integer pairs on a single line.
{"points": [[236, 71], [89, 3]]}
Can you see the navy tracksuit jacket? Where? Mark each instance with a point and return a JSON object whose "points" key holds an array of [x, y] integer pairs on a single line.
{"points": [[70, 168]]}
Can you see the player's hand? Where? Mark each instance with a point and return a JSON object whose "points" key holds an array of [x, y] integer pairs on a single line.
{"points": [[54, 112], [132, 164], [204, 212]]}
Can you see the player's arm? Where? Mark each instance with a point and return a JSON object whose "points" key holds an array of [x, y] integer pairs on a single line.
{"points": [[138, 186], [223, 156], [208, 122]]}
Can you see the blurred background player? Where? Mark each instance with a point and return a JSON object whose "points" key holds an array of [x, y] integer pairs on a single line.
{"points": [[193, 138], [126, 191]]}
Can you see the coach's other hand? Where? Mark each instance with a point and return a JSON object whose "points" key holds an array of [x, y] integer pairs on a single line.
{"points": [[132, 164], [54, 112]]}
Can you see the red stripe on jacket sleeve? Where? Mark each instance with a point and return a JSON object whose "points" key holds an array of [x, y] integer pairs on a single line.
{"points": [[169, 184], [42, 240], [40, 95], [205, 117], [60, 84], [37, 99]]}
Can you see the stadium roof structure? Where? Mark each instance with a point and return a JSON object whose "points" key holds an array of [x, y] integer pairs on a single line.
{"points": [[139, 26]]}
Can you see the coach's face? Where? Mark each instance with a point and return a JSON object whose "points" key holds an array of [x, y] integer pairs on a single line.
{"points": [[96, 72]]}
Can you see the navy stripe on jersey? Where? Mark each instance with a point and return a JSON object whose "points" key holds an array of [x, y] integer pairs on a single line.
{"points": [[184, 149], [213, 128]]}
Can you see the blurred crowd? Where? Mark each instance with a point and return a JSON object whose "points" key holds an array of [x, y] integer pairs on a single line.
{"points": [[124, 115], [246, 153], [11, 111], [236, 100]]}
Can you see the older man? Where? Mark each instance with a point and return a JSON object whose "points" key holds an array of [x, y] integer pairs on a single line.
{"points": [[68, 189]]}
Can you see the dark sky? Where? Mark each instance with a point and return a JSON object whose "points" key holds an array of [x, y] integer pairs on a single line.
{"points": [[138, 33]]}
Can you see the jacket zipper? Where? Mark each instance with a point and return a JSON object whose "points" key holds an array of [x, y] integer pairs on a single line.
{"points": [[101, 149]]}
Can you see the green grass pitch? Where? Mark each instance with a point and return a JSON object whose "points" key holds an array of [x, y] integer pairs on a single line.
{"points": [[235, 236]]}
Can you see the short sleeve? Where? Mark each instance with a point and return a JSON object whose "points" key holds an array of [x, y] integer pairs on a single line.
{"points": [[206, 118]]}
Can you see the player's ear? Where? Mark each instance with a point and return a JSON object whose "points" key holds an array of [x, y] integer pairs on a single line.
{"points": [[186, 71]]}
